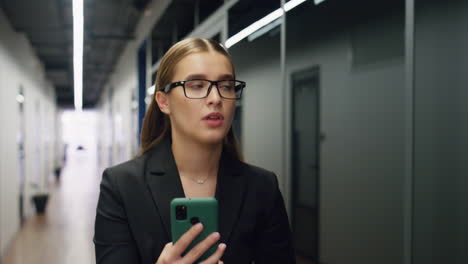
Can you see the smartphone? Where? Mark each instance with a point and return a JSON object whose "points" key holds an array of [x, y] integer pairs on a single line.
{"points": [[186, 212]]}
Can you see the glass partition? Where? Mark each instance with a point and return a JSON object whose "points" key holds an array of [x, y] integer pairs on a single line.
{"points": [[257, 60], [345, 83], [440, 217]]}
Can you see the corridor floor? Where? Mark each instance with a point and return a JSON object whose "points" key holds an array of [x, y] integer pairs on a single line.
{"points": [[64, 233]]}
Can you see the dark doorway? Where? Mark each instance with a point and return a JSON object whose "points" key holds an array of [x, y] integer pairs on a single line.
{"points": [[305, 163]]}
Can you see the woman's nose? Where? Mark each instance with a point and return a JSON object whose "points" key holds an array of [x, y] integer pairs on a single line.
{"points": [[213, 95]]}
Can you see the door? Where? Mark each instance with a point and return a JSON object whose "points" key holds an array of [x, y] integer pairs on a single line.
{"points": [[305, 163], [20, 139]]}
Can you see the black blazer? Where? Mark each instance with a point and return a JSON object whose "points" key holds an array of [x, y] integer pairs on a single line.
{"points": [[133, 212]]}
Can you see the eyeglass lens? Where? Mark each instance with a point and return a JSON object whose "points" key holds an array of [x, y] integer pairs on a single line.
{"points": [[199, 88]]}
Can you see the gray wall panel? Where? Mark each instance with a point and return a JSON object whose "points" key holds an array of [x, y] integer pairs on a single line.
{"points": [[441, 133]]}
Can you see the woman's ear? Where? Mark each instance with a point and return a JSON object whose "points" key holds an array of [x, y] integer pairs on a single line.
{"points": [[162, 99]]}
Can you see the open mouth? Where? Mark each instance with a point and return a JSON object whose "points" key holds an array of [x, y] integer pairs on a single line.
{"points": [[214, 119], [214, 116]]}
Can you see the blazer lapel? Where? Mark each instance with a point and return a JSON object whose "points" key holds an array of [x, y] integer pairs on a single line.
{"points": [[163, 180], [230, 191], [164, 184]]}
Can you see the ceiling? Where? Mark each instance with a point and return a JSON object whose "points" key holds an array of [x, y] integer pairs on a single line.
{"points": [[48, 24], [108, 26], [178, 21]]}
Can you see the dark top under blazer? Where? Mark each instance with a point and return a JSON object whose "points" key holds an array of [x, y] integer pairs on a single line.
{"points": [[133, 212]]}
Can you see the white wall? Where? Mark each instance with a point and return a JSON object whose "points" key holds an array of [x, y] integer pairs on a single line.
{"points": [[117, 131], [124, 133], [19, 66]]}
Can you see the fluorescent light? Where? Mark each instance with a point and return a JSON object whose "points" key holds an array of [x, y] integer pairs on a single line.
{"points": [[292, 4], [78, 53], [150, 90], [254, 27], [134, 105], [262, 22], [20, 98], [264, 30], [318, 1], [118, 118]]}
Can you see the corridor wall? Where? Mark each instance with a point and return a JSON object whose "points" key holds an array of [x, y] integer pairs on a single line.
{"points": [[21, 69], [117, 103]]}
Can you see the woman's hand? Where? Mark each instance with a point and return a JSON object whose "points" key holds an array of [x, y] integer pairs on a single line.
{"points": [[172, 253]]}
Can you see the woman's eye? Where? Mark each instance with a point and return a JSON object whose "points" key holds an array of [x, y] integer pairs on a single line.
{"points": [[226, 86], [196, 86]]}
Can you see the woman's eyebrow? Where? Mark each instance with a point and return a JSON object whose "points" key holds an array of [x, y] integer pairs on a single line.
{"points": [[202, 76], [226, 77], [195, 76]]}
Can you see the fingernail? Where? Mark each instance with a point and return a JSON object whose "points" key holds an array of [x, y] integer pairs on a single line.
{"points": [[215, 235], [199, 226], [222, 246]]}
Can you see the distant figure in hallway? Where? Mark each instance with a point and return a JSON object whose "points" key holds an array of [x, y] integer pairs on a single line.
{"points": [[188, 149]]}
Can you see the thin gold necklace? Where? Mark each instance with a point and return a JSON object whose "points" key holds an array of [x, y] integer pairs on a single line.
{"points": [[199, 181]]}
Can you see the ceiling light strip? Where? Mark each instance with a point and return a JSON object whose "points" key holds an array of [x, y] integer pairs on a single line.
{"points": [[254, 27], [292, 4], [262, 22], [78, 53]]}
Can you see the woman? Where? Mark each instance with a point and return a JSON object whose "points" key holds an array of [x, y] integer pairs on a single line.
{"points": [[188, 149]]}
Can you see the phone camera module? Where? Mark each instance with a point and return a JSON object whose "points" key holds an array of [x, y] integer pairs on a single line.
{"points": [[181, 212]]}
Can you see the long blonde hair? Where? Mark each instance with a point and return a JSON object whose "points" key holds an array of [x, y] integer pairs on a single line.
{"points": [[156, 124]]}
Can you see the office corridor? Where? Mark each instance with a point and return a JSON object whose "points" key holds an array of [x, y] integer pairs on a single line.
{"points": [[358, 107], [64, 234]]}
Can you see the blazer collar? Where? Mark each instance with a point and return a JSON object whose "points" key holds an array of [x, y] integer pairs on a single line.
{"points": [[162, 177]]}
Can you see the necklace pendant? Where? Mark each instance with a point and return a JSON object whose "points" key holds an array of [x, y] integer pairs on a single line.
{"points": [[200, 181]]}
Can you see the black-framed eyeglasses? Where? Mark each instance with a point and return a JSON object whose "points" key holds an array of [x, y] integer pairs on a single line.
{"points": [[201, 88]]}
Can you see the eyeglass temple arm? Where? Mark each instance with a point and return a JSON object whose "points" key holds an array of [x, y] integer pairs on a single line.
{"points": [[168, 87]]}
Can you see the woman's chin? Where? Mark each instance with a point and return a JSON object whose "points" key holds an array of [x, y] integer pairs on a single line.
{"points": [[212, 139]]}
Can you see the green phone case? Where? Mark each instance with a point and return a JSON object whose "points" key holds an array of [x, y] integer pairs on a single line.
{"points": [[205, 209]]}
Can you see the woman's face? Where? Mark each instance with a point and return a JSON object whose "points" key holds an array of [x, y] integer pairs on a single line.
{"points": [[189, 117]]}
